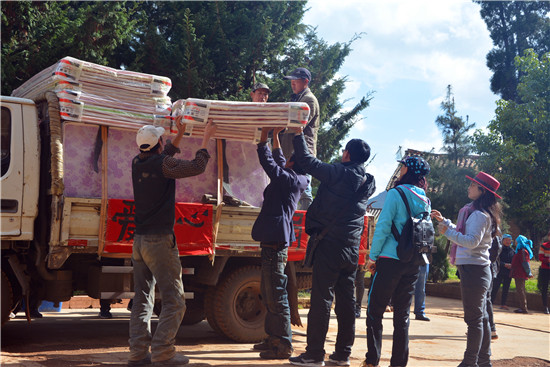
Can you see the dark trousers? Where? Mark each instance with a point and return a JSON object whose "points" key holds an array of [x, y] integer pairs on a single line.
{"points": [[395, 280], [544, 278], [333, 279], [505, 280], [474, 284], [359, 287], [274, 293], [490, 307]]}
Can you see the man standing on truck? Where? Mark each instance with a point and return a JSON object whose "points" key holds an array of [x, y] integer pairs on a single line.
{"points": [[299, 82], [335, 222], [155, 254], [260, 93], [275, 231]]}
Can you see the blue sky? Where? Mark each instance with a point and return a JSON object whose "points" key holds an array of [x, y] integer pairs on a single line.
{"points": [[411, 51]]}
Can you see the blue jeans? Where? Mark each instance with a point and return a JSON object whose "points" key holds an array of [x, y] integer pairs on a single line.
{"points": [[474, 285], [156, 262], [333, 279], [393, 279], [274, 294], [420, 290]]}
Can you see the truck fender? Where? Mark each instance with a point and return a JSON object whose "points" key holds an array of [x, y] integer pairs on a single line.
{"points": [[209, 273]]}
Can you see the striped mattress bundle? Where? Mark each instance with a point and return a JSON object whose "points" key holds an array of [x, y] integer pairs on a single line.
{"points": [[241, 121], [102, 95]]}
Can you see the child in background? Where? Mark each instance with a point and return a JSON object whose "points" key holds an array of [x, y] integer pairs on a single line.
{"points": [[503, 276], [521, 271]]}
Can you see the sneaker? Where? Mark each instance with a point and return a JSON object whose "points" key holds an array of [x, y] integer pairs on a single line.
{"points": [[365, 364], [105, 315], [304, 360], [520, 310], [140, 362], [504, 307], [494, 335], [339, 361], [177, 360], [546, 311], [265, 345], [358, 312]]}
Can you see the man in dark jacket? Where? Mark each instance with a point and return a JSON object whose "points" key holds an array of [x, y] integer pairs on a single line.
{"points": [[340, 205], [503, 276], [275, 231], [299, 82], [155, 254]]}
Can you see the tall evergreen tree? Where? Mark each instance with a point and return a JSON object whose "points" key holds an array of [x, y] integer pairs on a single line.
{"points": [[209, 49], [35, 35], [515, 26], [447, 179], [457, 142], [516, 147]]}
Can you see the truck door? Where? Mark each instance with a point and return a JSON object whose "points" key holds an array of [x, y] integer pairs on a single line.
{"points": [[11, 145]]}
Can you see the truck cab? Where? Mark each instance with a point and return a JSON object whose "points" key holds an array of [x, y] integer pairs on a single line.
{"points": [[20, 169]]}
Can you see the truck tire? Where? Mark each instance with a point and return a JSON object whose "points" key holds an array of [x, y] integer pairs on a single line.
{"points": [[209, 310], [7, 298], [240, 313], [194, 312]]}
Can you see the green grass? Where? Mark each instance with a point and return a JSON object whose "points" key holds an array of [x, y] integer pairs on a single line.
{"points": [[530, 284]]}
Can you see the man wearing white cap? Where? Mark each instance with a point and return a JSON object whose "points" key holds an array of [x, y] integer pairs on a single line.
{"points": [[155, 254]]}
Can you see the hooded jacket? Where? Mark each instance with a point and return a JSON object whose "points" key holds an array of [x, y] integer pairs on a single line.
{"points": [[339, 182]]}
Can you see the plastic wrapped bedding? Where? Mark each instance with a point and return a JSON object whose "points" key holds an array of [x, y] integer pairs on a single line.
{"points": [[101, 95], [241, 121]]}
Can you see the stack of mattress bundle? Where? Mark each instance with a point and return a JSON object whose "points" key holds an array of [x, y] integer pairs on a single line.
{"points": [[239, 120], [102, 95]]}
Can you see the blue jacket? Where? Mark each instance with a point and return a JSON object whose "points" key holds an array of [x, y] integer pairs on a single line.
{"points": [[274, 223], [339, 182], [394, 210]]}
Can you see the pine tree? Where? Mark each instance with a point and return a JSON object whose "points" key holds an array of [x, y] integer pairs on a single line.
{"points": [[515, 26]]}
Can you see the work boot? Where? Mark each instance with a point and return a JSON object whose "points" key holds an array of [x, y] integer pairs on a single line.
{"points": [[281, 351], [105, 314], [177, 360], [265, 345], [140, 362]]}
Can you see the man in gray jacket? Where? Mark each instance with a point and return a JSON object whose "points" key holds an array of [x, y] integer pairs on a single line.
{"points": [[299, 82]]}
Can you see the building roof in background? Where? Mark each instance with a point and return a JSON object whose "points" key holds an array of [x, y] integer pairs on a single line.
{"points": [[435, 160]]}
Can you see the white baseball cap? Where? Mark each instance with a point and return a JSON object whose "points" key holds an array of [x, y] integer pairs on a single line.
{"points": [[148, 136]]}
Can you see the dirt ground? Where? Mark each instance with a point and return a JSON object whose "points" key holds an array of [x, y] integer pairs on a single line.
{"points": [[78, 337]]}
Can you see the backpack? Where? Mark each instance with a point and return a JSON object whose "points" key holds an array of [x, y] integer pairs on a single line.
{"points": [[494, 255], [416, 240]]}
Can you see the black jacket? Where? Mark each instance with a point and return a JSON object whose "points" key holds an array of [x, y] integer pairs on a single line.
{"points": [[339, 182], [274, 223]]}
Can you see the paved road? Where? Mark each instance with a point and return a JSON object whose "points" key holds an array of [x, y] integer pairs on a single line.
{"points": [[79, 338]]}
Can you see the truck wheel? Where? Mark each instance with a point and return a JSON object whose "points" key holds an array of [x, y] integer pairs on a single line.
{"points": [[240, 313], [209, 310], [194, 313], [7, 298]]}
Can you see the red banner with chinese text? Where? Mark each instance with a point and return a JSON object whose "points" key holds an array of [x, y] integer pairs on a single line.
{"points": [[193, 228]]}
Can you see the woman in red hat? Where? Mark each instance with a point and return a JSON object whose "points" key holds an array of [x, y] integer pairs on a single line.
{"points": [[478, 223]]}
